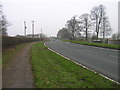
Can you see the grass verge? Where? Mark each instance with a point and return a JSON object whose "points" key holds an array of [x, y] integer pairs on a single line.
{"points": [[8, 53], [53, 71], [95, 44]]}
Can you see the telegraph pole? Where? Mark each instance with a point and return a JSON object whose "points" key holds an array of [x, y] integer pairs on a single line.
{"points": [[33, 29], [25, 28]]}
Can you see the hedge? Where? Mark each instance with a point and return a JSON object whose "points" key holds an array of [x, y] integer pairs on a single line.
{"points": [[10, 41]]}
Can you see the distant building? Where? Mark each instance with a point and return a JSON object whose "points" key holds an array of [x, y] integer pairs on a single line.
{"points": [[31, 35], [20, 36]]}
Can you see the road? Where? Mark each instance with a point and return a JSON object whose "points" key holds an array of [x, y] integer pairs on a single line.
{"points": [[104, 61]]}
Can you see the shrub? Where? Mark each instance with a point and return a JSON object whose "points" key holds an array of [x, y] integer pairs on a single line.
{"points": [[10, 41]]}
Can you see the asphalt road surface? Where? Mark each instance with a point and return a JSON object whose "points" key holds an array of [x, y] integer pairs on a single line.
{"points": [[104, 61]]}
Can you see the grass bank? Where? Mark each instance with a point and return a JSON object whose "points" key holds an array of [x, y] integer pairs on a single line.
{"points": [[8, 53], [95, 44], [53, 71]]}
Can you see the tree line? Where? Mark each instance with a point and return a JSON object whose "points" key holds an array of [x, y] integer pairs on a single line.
{"points": [[95, 25]]}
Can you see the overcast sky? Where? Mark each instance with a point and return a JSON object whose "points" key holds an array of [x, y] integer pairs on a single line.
{"points": [[52, 15]]}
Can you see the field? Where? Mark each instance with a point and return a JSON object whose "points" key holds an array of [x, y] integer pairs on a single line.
{"points": [[53, 71]]}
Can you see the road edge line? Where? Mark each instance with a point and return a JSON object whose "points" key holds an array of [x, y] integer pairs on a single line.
{"points": [[82, 65]]}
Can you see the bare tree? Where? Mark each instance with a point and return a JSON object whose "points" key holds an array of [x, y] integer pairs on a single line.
{"points": [[0, 9], [0, 20], [85, 23], [3, 23], [116, 36], [105, 28], [73, 26], [97, 14]]}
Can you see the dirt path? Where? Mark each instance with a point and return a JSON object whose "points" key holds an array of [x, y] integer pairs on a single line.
{"points": [[18, 74]]}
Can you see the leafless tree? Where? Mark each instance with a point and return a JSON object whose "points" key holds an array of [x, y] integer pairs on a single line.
{"points": [[97, 14], [85, 23], [0, 9], [0, 20], [73, 26], [105, 28], [3, 23], [116, 36]]}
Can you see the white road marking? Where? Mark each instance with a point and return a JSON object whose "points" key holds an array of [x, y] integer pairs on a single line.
{"points": [[82, 65]]}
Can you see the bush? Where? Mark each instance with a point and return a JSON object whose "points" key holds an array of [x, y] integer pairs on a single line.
{"points": [[10, 41]]}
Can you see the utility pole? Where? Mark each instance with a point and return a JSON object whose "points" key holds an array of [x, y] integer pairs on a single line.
{"points": [[25, 28], [33, 29]]}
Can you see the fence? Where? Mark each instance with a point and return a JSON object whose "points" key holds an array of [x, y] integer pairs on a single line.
{"points": [[114, 42]]}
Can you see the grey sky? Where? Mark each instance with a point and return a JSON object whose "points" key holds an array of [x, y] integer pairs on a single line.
{"points": [[51, 15]]}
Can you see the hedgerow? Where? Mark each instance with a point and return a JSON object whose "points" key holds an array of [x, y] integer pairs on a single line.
{"points": [[10, 41]]}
